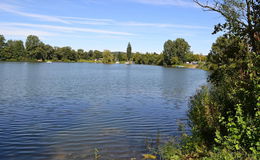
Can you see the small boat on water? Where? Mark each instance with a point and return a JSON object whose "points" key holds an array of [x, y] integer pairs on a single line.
{"points": [[49, 62]]}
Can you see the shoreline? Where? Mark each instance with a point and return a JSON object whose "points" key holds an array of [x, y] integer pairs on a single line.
{"points": [[187, 66]]}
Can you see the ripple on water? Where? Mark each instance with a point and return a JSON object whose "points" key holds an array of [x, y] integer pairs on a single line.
{"points": [[65, 111]]}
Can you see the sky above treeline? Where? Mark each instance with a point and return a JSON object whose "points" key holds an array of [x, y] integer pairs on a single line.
{"points": [[109, 24]]}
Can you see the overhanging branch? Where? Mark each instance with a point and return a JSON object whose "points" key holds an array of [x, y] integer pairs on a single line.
{"points": [[211, 8]]}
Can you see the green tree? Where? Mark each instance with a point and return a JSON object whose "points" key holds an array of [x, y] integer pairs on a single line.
{"points": [[91, 54], [121, 56], [16, 48], [6, 53], [58, 53], [2, 45], [67, 53], [31, 44], [190, 57], [39, 53], [137, 58], [159, 59], [195, 57], [2, 41], [72, 55], [49, 52], [107, 57], [129, 51], [175, 60], [97, 54], [81, 54], [181, 49], [178, 48], [168, 52], [13, 49], [86, 55]]}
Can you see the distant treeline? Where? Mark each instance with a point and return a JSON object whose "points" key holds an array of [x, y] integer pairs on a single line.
{"points": [[175, 52]]}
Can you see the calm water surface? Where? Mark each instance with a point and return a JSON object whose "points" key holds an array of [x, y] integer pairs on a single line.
{"points": [[65, 110]]}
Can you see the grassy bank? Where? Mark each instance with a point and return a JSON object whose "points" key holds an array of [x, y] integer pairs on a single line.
{"points": [[202, 66]]}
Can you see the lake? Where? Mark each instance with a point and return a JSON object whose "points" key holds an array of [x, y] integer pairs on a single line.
{"points": [[67, 110]]}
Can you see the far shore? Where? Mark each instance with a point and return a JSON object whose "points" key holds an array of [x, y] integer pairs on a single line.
{"points": [[192, 66]]}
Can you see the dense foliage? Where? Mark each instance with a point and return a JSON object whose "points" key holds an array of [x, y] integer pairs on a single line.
{"points": [[36, 50], [107, 57], [175, 52]]}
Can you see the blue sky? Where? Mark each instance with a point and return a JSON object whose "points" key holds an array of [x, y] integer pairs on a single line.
{"points": [[109, 24]]}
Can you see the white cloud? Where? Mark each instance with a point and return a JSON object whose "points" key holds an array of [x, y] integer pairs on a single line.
{"points": [[67, 29], [163, 25], [14, 31], [87, 19], [90, 23], [104, 22], [13, 9], [182, 3]]}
